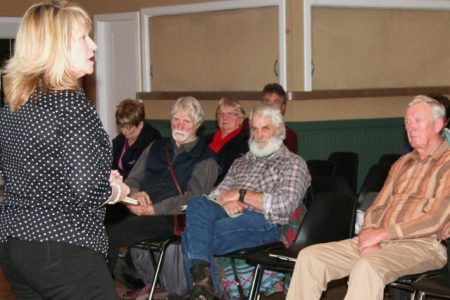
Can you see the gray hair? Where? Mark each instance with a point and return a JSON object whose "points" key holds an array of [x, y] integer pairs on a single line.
{"points": [[191, 105], [268, 111], [436, 108]]}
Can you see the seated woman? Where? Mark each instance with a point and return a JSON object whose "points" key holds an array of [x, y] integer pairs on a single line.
{"points": [[135, 135], [229, 141]]}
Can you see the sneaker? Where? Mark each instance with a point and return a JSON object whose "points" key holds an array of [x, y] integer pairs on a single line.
{"points": [[133, 294], [158, 295]]}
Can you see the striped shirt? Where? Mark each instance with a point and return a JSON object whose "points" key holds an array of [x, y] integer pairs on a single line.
{"points": [[414, 201], [282, 177]]}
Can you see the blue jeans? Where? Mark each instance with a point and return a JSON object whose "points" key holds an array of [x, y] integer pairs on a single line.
{"points": [[209, 231]]}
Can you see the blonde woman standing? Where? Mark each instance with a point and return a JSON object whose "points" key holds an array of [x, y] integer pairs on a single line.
{"points": [[55, 158]]}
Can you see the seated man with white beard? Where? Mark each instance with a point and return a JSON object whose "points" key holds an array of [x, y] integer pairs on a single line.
{"points": [[151, 183], [264, 187]]}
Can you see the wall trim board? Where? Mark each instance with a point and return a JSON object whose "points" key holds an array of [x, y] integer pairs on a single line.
{"points": [[368, 93], [370, 4], [198, 95], [293, 95], [148, 13], [111, 57], [9, 27]]}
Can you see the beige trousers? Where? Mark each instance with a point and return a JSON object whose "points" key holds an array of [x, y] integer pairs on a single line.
{"points": [[319, 264]]}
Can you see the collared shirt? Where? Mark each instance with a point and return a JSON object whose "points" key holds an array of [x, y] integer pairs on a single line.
{"points": [[282, 177], [414, 201]]}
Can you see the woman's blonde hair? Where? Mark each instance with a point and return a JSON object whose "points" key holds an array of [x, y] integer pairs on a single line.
{"points": [[235, 104], [41, 60]]}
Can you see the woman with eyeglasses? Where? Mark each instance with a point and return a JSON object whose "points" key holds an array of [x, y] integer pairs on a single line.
{"points": [[229, 141], [135, 135]]}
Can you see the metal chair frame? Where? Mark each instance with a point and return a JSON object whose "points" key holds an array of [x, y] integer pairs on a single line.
{"points": [[409, 282], [275, 256], [160, 246]]}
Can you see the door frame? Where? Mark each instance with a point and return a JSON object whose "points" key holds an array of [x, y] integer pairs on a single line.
{"points": [[9, 26], [308, 5], [148, 13], [103, 87]]}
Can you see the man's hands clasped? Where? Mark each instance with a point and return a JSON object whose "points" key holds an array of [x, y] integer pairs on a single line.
{"points": [[230, 202]]}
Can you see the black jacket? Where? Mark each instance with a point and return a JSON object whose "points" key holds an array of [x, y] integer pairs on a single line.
{"points": [[235, 148], [147, 135]]}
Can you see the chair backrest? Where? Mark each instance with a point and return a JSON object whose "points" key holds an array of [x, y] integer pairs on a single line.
{"points": [[330, 184], [346, 166], [368, 200], [321, 167], [374, 181], [330, 217], [388, 159]]}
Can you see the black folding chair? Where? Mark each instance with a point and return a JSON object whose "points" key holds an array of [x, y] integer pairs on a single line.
{"points": [[373, 182], [346, 166], [330, 184], [161, 247], [388, 159], [410, 283], [330, 217], [321, 167], [438, 285]]}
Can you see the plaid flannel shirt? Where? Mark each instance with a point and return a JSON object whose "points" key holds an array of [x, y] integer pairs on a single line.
{"points": [[282, 177]]}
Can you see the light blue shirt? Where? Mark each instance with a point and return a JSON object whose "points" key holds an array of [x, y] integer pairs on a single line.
{"points": [[447, 135]]}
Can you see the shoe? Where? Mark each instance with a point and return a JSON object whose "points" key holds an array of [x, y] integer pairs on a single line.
{"points": [[200, 292], [133, 294], [203, 288], [159, 294]]}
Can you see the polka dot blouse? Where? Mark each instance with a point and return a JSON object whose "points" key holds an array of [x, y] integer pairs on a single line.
{"points": [[55, 159]]}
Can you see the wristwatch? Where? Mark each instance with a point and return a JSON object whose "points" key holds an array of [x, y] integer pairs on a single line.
{"points": [[242, 193]]}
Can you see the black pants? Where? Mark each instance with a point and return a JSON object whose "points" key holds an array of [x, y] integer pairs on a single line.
{"points": [[135, 229], [52, 270]]}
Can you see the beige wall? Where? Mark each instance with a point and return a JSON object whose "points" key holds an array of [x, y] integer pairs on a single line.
{"points": [[325, 109], [372, 48], [214, 51], [16, 8], [305, 110]]}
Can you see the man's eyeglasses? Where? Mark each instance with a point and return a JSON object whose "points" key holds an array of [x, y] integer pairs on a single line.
{"points": [[272, 102]]}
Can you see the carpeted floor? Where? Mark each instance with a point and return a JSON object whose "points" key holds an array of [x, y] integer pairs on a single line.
{"points": [[336, 291]]}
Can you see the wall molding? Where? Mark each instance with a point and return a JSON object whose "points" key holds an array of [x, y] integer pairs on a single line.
{"points": [[370, 4], [147, 13], [295, 96]]}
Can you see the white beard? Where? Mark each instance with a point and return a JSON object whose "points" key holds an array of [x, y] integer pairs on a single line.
{"points": [[266, 148], [180, 136]]}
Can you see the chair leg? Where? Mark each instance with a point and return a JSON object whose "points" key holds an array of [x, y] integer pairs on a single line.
{"points": [[419, 295], [158, 268], [236, 278], [256, 282]]}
